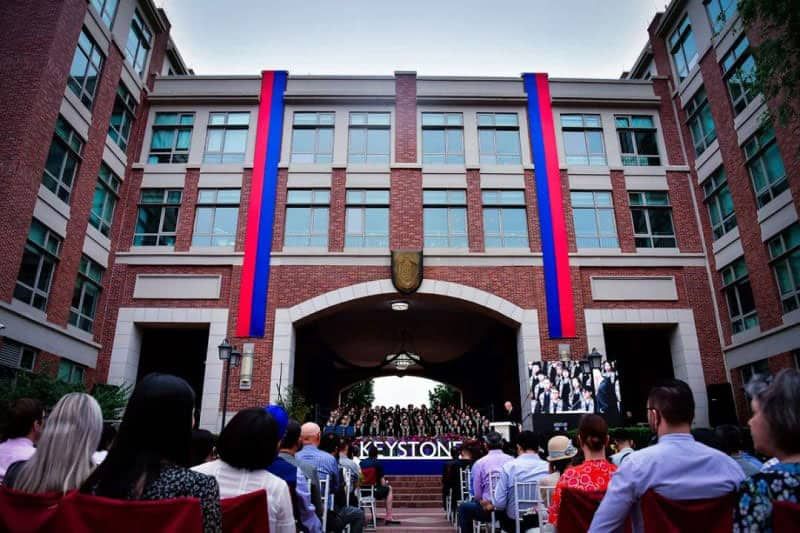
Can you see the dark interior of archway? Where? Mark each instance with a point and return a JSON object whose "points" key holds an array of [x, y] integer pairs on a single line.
{"points": [[643, 357], [462, 344]]}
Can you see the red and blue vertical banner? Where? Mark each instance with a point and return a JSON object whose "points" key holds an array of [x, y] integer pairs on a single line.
{"points": [[555, 251], [261, 209]]}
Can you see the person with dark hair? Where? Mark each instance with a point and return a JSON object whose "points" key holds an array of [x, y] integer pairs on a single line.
{"points": [[708, 437], [484, 468], [775, 426], [730, 440], [594, 473], [202, 450], [106, 438], [677, 467], [560, 452], [25, 424], [623, 442], [247, 446], [345, 456], [151, 452], [372, 471], [526, 468]]}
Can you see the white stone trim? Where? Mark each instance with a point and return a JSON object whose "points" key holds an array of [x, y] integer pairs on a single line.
{"points": [[684, 346], [128, 342]]}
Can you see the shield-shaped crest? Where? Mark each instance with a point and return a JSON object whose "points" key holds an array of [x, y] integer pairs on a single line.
{"points": [[406, 270]]}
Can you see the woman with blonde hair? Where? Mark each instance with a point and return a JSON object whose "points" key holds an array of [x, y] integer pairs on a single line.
{"points": [[63, 457]]}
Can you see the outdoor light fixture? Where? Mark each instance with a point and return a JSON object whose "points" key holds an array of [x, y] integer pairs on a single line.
{"points": [[399, 306], [403, 358], [231, 356], [595, 359], [246, 371], [564, 352]]}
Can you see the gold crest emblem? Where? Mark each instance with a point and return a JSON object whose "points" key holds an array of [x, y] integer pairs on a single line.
{"points": [[406, 270]]}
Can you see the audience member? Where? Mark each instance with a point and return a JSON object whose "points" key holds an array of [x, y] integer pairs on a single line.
{"points": [[730, 439], [106, 438], [26, 419], [451, 473], [202, 450], [149, 457], [373, 475], [560, 453], [775, 426], [594, 473], [247, 446], [526, 468], [708, 437], [345, 456], [623, 442], [482, 470], [677, 467], [63, 458]]}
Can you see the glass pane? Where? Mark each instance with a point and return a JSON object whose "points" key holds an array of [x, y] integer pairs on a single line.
{"points": [[506, 119], [184, 139], [229, 196], [773, 163], [376, 221], [746, 297], [203, 220], [626, 142], [434, 196], [235, 141], [433, 141], [319, 220], [458, 220], [377, 197], [166, 119], [455, 141], [491, 221], [162, 139], [514, 221], [302, 141], [592, 121], [148, 219], [486, 141], [298, 220], [170, 219], [485, 119], [354, 220], [512, 197], [605, 219], [574, 143], [457, 197], [326, 118], [358, 141], [435, 221], [639, 221], [657, 198], [584, 222], [325, 140], [216, 119], [454, 119], [595, 141], [378, 141], [238, 119], [581, 198], [433, 119], [173, 197], [358, 118], [602, 198], [214, 142], [207, 196], [643, 122], [571, 121], [378, 119], [225, 220], [646, 142], [507, 142], [661, 222], [299, 196]]}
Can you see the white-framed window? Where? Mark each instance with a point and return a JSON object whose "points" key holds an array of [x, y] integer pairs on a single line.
{"points": [[39, 260], [369, 138], [17, 356], [226, 139], [505, 223], [765, 164], [719, 12], [739, 72], [107, 9], [583, 139], [683, 48], [784, 253], [87, 64], [172, 138], [307, 214], [312, 137], [700, 122], [739, 295], [652, 219], [216, 217], [157, 219], [122, 117], [367, 218], [444, 218], [593, 215], [86, 294], [498, 139], [104, 202], [63, 160], [70, 372], [637, 140], [139, 43], [719, 202], [442, 139]]}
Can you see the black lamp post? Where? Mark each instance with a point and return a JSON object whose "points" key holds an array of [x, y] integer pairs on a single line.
{"points": [[228, 354], [595, 359]]}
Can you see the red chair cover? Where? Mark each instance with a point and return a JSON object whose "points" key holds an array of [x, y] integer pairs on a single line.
{"points": [[82, 513], [21, 512], [708, 515], [577, 509], [370, 475], [785, 517], [245, 513]]}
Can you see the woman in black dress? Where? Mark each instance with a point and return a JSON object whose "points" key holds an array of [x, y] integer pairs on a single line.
{"points": [[149, 457]]}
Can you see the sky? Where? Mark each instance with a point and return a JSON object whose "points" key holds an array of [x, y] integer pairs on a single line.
{"points": [[393, 390], [566, 38]]}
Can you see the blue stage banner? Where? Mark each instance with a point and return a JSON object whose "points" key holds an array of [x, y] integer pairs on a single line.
{"points": [[409, 448]]}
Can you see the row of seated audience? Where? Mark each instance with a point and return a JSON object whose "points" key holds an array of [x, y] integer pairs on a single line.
{"points": [[155, 457], [723, 489], [407, 421]]}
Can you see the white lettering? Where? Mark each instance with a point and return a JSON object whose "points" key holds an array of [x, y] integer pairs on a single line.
{"points": [[430, 445], [391, 446]]}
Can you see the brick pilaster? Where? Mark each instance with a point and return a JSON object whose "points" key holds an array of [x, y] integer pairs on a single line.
{"points": [[405, 141], [474, 212], [185, 229], [622, 212], [336, 226]]}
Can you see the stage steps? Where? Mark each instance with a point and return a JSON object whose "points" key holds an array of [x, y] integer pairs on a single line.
{"points": [[417, 492]]}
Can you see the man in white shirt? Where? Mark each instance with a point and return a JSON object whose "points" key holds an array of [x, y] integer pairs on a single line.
{"points": [[26, 420]]}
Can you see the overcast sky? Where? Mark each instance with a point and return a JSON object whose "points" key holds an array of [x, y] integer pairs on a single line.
{"points": [[567, 38], [394, 390]]}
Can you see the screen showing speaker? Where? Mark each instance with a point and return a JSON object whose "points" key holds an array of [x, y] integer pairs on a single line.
{"points": [[569, 387]]}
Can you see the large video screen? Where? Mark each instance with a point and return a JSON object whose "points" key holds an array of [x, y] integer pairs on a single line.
{"points": [[564, 387]]}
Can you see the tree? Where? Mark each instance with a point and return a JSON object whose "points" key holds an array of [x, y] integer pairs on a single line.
{"points": [[777, 55], [295, 404], [361, 394], [443, 396]]}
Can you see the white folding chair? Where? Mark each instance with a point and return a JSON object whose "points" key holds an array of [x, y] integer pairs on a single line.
{"points": [[464, 490], [324, 490], [492, 524], [348, 484], [527, 498], [366, 500]]}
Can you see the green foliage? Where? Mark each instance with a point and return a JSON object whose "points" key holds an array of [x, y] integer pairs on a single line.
{"points": [[293, 401], [443, 396], [362, 394], [777, 55], [112, 399]]}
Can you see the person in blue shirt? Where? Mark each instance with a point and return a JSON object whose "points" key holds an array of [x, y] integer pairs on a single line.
{"points": [[730, 439]]}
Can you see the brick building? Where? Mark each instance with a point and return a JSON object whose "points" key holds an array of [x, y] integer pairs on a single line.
{"points": [[554, 217]]}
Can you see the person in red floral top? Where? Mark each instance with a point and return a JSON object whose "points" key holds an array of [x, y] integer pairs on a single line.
{"points": [[595, 471]]}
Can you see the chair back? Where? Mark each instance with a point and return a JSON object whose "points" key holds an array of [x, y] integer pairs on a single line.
{"points": [[347, 478], [244, 513], [710, 515], [785, 516], [526, 496], [82, 513], [577, 509], [465, 488], [370, 475], [21, 512], [324, 492]]}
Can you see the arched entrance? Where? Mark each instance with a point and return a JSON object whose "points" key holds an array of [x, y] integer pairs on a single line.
{"points": [[472, 339]]}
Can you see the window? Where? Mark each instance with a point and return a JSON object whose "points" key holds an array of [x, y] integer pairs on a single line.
{"points": [[367, 219], [741, 306], [227, 137], [172, 136], [637, 140], [87, 63], [369, 139], [758, 368], [119, 129], [312, 137], [138, 45], [583, 140], [784, 250], [307, 217], [719, 203], [739, 72], [504, 221], [63, 160], [16, 355], [719, 12], [442, 139], [445, 218], [683, 49], [593, 214], [71, 373], [107, 9], [765, 165], [106, 195], [86, 294], [498, 138], [652, 219], [157, 219], [38, 264], [700, 122], [216, 217]]}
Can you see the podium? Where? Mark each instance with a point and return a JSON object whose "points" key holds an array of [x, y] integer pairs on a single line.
{"points": [[504, 428]]}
